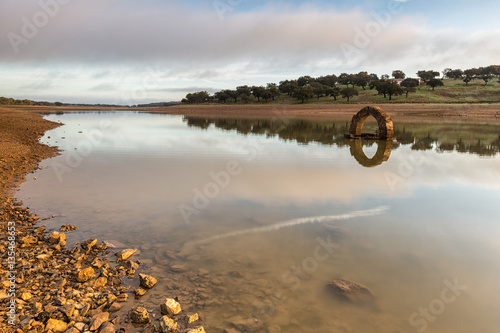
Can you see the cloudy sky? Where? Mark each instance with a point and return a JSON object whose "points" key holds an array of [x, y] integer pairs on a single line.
{"points": [[130, 51]]}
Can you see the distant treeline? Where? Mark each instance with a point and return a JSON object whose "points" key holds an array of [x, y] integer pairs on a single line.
{"points": [[307, 87], [12, 101]]}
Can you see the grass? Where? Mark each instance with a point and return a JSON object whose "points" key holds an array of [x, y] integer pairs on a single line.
{"points": [[453, 91]]}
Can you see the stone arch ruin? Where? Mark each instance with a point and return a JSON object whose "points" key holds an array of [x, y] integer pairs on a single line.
{"points": [[386, 128]]}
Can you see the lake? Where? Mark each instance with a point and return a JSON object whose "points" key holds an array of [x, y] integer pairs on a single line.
{"points": [[248, 220]]}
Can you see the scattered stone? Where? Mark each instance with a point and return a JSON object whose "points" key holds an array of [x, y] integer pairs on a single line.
{"points": [[80, 326], [85, 274], [107, 327], [149, 329], [167, 325], [198, 329], [122, 298], [351, 291], [178, 268], [139, 316], [68, 228], [57, 238], [25, 296], [88, 244], [97, 320], [115, 307], [147, 281], [68, 309], [72, 330], [170, 307], [124, 255], [56, 325], [100, 282], [192, 319], [140, 292], [246, 325]]}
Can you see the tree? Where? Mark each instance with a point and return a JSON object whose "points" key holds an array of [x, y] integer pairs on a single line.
{"points": [[398, 74], [233, 94], [244, 93], [348, 93], [304, 80], [446, 72], [384, 77], [273, 90], [427, 75], [485, 74], [387, 88], [328, 80], [456, 74], [258, 92], [374, 77], [197, 97], [435, 83], [345, 79], [303, 93], [318, 89], [222, 96], [409, 86], [362, 79], [334, 92], [288, 86]]}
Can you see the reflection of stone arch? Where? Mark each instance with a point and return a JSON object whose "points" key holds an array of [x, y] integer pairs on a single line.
{"points": [[382, 155], [386, 129]]}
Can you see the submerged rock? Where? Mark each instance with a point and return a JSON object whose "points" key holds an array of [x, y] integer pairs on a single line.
{"points": [[68, 228], [351, 291]]}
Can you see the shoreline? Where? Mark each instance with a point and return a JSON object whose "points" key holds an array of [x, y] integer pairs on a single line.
{"points": [[312, 111], [46, 286]]}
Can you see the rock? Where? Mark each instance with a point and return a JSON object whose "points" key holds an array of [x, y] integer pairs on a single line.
{"points": [[178, 268], [147, 281], [68, 309], [122, 298], [68, 228], [43, 256], [246, 325], [100, 282], [88, 244], [85, 274], [167, 325], [139, 316], [107, 327], [26, 296], [150, 329], [72, 330], [170, 307], [115, 307], [274, 329], [193, 318], [56, 238], [140, 292], [130, 265], [29, 240], [80, 326], [55, 325], [198, 329], [124, 255], [351, 291], [85, 308], [97, 320]]}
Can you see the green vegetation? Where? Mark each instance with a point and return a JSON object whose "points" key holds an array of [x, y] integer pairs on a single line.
{"points": [[474, 85]]}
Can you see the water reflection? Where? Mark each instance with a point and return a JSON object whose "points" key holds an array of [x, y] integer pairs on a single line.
{"points": [[384, 149], [480, 139]]}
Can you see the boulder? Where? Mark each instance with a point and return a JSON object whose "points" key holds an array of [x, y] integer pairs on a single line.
{"points": [[97, 320]]}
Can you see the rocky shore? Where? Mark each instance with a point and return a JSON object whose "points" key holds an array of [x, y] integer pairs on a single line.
{"points": [[48, 286]]}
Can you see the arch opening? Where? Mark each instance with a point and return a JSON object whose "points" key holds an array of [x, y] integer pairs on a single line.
{"points": [[384, 122]]}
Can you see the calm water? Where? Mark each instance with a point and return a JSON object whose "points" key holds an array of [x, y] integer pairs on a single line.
{"points": [[250, 219]]}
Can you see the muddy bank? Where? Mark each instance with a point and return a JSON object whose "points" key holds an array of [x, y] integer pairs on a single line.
{"points": [[332, 111], [47, 285]]}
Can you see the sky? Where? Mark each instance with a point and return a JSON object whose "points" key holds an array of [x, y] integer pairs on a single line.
{"points": [[131, 52]]}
